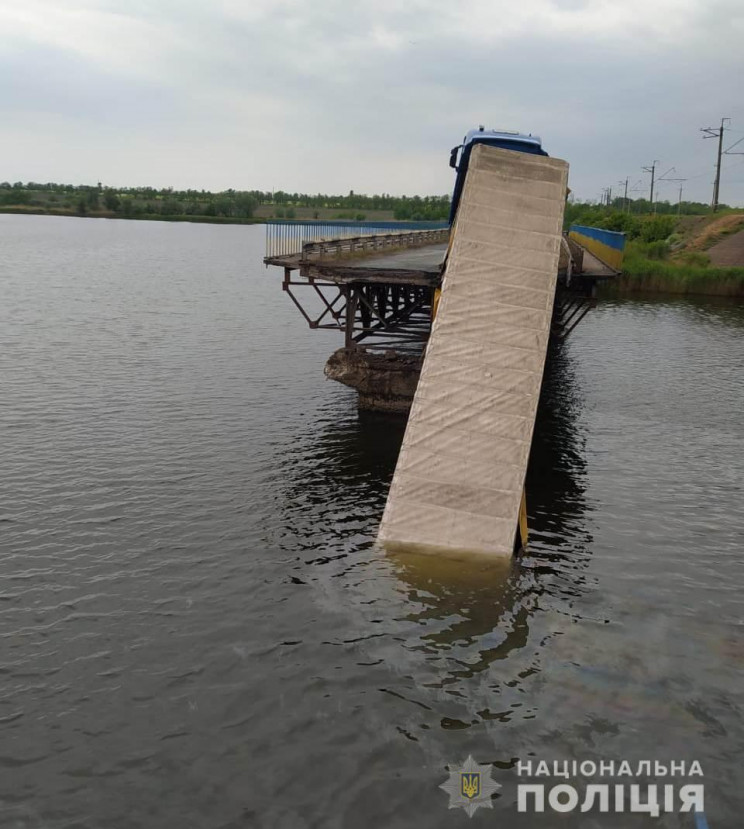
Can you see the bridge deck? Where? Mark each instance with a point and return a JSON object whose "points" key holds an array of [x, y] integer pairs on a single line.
{"points": [[419, 265], [461, 469], [428, 259], [595, 267]]}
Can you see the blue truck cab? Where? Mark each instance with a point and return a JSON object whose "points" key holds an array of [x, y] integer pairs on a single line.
{"points": [[516, 141]]}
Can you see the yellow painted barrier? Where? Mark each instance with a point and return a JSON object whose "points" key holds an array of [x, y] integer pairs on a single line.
{"points": [[435, 303], [606, 245], [522, 533]]}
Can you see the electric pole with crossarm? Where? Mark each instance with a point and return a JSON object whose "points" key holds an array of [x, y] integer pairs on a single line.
{"points": [[652, 170], [625, 197], [716, 132]]}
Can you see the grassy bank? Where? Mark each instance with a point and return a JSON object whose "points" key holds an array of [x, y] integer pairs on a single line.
{"points": [[669, 254], [652, 267]]}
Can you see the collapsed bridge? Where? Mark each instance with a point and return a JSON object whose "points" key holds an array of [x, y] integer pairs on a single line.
{"points": [[454, 324]]}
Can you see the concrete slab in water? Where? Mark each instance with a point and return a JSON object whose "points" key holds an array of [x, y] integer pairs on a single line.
{"points": [[461, 470]]}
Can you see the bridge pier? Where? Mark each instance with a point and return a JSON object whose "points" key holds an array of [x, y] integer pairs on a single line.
{"points": [[383, 305], [385, 382]]}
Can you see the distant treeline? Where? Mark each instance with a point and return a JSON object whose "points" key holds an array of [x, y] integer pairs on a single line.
{"points": [[256, 205], [635, 218], [590, 214], [133, 202]]}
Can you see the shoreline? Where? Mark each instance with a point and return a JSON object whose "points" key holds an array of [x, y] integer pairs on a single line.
{"points": [[147, 217], [676, 280], [679, 279], [718, 286]]}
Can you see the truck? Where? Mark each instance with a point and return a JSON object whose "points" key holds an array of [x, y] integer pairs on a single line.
{"points": [[507, 140]]}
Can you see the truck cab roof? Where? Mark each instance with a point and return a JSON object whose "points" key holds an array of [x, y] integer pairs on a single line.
{"points": [[501, 138]]}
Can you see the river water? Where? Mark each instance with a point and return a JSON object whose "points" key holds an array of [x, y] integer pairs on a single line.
{"points": [[196, 628]]}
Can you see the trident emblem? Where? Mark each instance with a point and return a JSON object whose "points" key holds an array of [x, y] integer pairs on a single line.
{"points": [[470, 784]]}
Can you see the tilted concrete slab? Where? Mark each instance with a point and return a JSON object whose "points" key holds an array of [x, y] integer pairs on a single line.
{"points": [[462, 465]]}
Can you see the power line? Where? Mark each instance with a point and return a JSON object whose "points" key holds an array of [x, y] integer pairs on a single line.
{"points": [[661, 178], [681, 181]]}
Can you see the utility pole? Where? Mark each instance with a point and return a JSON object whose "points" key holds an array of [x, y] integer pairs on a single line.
{"points": [[652, 170], [681, 181], [636, 188], [716, 132], [625, 197], [663, 177]]}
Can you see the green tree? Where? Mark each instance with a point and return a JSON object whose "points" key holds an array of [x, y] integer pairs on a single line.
{"points": [[657, 228], [224, 206], [245, 205], [171, 207], [111, 200]]}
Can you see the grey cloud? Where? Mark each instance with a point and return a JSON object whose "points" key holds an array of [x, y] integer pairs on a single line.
{"points": [[330, 95]]}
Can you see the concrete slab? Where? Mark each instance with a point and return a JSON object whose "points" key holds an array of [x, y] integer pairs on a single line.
{"points": [[460, 474]]}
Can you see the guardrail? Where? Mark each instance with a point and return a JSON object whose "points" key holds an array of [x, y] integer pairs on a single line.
{"points": [[607, 245], [285, 238], [575, 254], [365, 244]]}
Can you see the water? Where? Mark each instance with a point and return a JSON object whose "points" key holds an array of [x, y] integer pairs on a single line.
{"points": [[196, 629]]}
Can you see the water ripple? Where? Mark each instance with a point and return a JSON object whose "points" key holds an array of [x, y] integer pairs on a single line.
{"points": [[193, 605]]}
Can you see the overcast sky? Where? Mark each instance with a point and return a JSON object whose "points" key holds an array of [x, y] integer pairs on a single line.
{"points": [[339, 95]]}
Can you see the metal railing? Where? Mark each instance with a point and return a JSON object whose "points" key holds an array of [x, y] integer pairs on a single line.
{"points": [[286, 238], [379, 241]]}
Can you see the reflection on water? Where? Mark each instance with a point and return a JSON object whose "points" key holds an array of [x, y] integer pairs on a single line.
{"points": [[488, 648], [198, 628], [556, 474], [447, 623], [462, 604]]}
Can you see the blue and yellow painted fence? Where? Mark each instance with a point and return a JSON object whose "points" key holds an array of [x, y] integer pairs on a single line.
{"points": [[606, 245]]}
